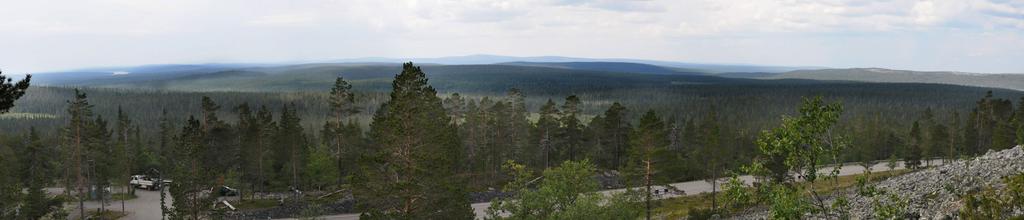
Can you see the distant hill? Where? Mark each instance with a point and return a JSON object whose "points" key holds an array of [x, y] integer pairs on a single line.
{"points": [[622, 67], [496, 59], [377, 76], [1006, 81]]}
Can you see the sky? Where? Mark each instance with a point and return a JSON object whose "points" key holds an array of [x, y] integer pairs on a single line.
{"points": [[984, 36]]}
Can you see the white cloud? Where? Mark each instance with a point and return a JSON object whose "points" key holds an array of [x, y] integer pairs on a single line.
{"points": [[40, 35]]}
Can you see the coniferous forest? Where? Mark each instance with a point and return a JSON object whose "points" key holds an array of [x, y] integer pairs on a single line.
{"points": [[416, 152]]}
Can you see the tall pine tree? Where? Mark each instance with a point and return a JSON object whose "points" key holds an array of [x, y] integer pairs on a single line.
{"points": [[411, 173]]}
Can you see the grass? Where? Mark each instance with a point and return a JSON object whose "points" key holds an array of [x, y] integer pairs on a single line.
{"points": [[105, 215], [679, 207], [122, 196]]}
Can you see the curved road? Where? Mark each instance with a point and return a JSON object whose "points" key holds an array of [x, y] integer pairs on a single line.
{"points": [[147, 205]]}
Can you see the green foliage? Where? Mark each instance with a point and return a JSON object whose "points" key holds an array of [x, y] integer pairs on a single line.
{"points": [[737, 194], [37, 162], [411, 171], [892, 207], [189, 175], [9, 91], [320, 168], [564, 192], [993, 203], [701, 213], [801, 143], [841, 207], [614, 135], [570, 134], [786, 203]]}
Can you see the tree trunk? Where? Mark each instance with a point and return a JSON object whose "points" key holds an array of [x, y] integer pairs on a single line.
{"points": [[647, 180]]}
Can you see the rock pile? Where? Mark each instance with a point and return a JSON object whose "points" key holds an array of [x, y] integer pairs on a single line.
{"points": [[933, 193]]}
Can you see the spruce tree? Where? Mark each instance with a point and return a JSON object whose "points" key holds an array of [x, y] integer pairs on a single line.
{"points": [[37, 165], [411, 172], [10, 91], [10, 187], [101, 168], [123, 153]]}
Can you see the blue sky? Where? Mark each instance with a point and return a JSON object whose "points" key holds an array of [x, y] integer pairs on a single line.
{"points": [[957, 35]]}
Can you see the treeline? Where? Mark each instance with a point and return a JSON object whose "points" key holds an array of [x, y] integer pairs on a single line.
{"points": [[991, 124]]}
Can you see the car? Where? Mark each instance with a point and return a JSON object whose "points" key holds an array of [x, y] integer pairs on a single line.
{"points": [[146, 182]]}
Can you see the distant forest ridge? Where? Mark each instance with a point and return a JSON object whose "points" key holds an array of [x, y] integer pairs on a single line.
{"points": [[481, 72]]}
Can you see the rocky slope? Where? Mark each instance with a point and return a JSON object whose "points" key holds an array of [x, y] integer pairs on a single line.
{"points": [[932, 193]]}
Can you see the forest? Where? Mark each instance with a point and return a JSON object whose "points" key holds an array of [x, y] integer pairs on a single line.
{"points": [[416, 151]]}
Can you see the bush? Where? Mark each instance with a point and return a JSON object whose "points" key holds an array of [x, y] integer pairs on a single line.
{"points": [[737, 195], [787, 203], [701, 214], [993, 203], [893, 208]]}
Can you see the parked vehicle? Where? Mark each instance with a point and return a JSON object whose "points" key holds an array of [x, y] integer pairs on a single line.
{"points": [[146, 182]]}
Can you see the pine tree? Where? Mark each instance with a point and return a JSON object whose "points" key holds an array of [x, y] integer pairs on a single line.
{"points": [[517, 124], [247, 134], [570, 134], [290, 150], [617, 130], [411, 172], [123, 152], [189, 174], [101, 169], [79, 112], [648, 155], [456, 107], [1019, 121], [971, 140], [265, 130], [166, 139], [219, 150], [912, 154], [711, 152], [955, 140], [547, 128], [939, 136], [10, 91], [343, 105], [499, 147]]}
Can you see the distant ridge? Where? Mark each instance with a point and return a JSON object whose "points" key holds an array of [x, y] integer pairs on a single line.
{"points": [[496, 59], [1006, 81]]}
